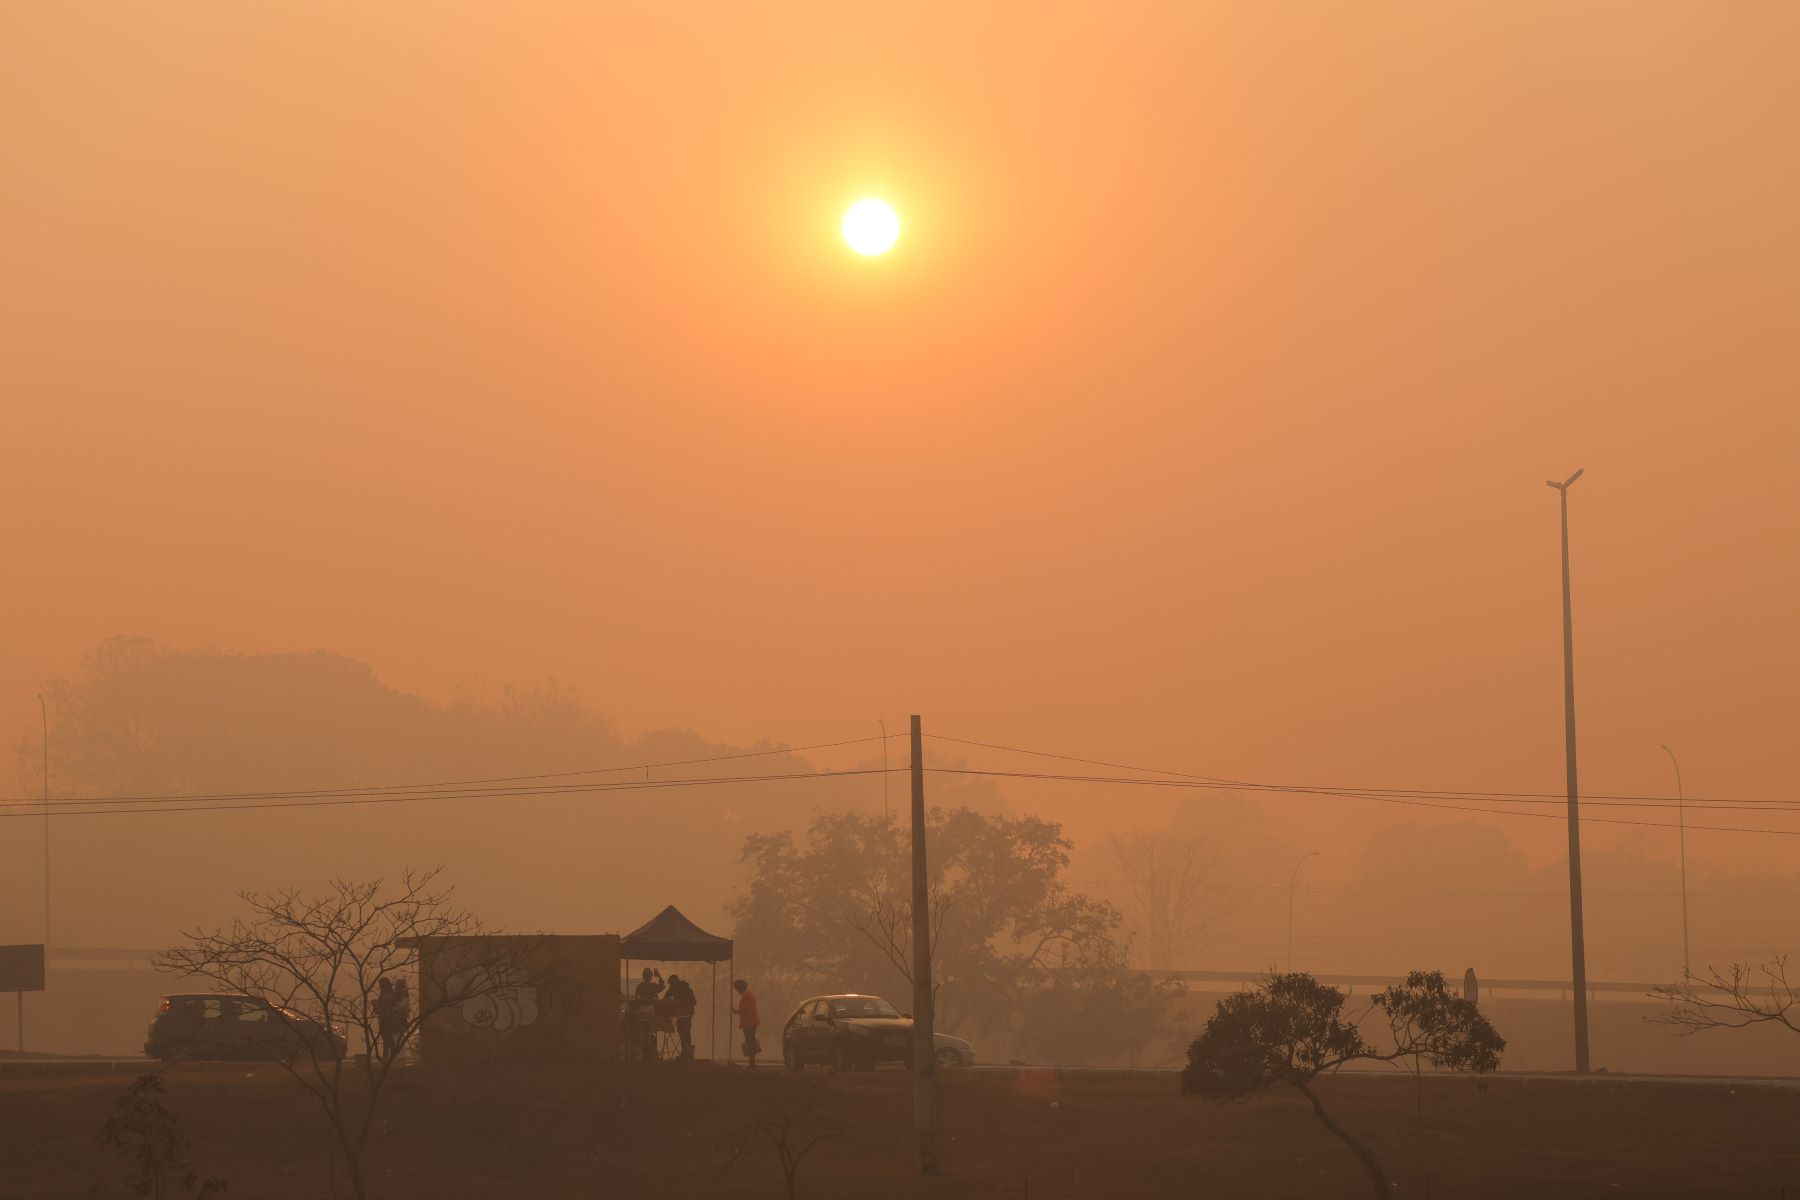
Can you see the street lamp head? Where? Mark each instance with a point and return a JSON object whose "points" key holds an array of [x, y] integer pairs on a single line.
{"points": [[1564, 485]]}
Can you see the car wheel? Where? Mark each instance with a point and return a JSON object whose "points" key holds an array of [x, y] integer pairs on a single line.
{"points": [[793, 1059], [948, 1057]]}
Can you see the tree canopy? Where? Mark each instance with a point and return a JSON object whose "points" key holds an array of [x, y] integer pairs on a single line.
{"points": [[831, 911], [1293, 1029]]}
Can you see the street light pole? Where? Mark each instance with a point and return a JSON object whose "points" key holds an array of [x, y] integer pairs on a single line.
{"points": [[1577, 938], [44, 713], [1292, 880], [1687, 969]]}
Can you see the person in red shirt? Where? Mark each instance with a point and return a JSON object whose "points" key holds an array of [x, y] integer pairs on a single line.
{"points": [[748, 1019]]}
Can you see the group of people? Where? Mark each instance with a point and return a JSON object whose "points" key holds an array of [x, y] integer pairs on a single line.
{"points": [[393, 1013], [679, 1000], [678, 995]]}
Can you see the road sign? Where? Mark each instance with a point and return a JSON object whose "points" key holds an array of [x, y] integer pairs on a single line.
{"points": [[22, 968]]}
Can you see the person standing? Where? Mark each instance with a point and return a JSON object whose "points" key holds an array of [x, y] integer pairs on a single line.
{"points": [[384, 1016], [652, 985], [402, 1008], [644, 1012], [748, 1018]]}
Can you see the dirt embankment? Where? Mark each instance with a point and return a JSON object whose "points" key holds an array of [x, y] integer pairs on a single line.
{"points": [[679, 1131]]}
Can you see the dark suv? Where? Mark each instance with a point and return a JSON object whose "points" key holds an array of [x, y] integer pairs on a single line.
{"points": [[857, 1032], [214, 1025]]}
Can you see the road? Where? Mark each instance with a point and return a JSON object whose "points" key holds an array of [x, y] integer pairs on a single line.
{"points": [[15, 1067], [1604, 1077]]}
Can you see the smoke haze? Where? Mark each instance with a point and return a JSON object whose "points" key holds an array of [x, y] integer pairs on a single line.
{"points": [[417, 358]]}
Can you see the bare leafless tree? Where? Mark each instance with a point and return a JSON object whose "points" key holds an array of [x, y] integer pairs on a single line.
{"points": [[318, 962], [1175, 892], [777, 1131], [888, 924], [1735, 997]]}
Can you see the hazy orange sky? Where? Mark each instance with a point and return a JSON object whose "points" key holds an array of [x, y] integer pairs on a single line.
{"points": [[1200, 418]]}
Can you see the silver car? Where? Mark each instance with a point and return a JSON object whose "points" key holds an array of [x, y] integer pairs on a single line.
{"points": [[857, 1032]]}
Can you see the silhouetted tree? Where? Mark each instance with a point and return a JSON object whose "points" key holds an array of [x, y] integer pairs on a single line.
{"points": [[1430, 1023], [1174, 890], [834, 913], [1735, 997], [1292, 1029], [321, 959], [149, 1137]]}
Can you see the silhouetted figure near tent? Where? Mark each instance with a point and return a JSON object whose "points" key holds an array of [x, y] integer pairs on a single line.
{"points": [[652, 985], [402, 1017], [648, 989], [384, 1016], [682, 1000], [748, 1018]]}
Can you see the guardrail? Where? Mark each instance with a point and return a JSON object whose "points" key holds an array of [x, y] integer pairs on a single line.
{"points": [[1487, 985]]}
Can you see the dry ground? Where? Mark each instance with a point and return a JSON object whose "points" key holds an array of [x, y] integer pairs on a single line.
{"points": [[671, 1132]]}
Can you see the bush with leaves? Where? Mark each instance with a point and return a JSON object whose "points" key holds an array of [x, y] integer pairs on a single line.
{"points": [[1293, 1029], [144, 1133]]}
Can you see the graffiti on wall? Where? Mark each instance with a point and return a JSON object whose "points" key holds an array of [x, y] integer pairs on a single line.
{"points": [[502, 999]]}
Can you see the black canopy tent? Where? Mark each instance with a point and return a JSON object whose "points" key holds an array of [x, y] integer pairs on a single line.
{"points": [[671, 937]]}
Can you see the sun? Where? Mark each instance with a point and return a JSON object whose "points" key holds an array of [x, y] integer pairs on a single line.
{"points": [[871, 226]]}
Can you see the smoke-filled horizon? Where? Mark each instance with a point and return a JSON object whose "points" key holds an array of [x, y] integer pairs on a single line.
{"points": [[547, 816]]}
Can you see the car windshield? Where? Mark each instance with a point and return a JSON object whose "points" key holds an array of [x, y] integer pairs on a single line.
{"points": [[863, 1006]]}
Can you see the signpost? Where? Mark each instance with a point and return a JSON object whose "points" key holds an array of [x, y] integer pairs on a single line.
{"points": [[21, 971]]}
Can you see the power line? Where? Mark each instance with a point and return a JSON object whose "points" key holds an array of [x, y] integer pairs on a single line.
{"points": [[1645, 948], [1416, 803], [1429, 793], [533, 785], [1477, 892], [1091, 762], [574, 789], [383, 789]]}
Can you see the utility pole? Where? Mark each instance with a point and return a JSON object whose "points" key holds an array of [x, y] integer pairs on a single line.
{"points": [[1687, 969], [885, 813], [1292, 880], [1577, 938], [924, 1047]]}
